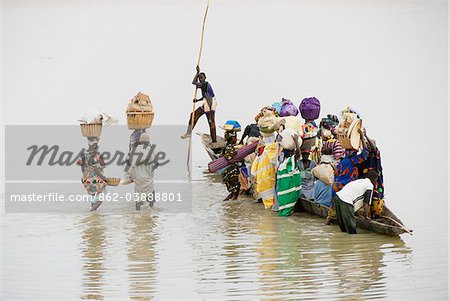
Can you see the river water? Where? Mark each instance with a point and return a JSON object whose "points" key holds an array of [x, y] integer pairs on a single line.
{"points": [[388, 59], [234, 250]]}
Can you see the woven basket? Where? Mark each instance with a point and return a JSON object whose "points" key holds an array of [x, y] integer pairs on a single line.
{"points": [[113, 181], [352, 139], [139, 120], [91, 129]]}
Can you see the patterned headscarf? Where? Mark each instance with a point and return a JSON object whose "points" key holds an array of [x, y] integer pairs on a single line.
{"points": [[329, 122], [261, 114]]}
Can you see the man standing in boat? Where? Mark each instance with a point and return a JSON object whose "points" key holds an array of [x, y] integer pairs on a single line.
{"points": [[208, 108]]}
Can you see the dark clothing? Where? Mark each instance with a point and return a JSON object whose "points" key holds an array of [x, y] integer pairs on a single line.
{"points": [[251, 130], [206, 89], [230, 177], [230, 174], [345, 215], [211, 121], [373, 162]]}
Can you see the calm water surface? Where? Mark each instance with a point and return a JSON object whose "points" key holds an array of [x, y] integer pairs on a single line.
{"points": [[234, 250]]}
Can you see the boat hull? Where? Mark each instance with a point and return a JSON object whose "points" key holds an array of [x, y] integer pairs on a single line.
{"points": [[381, 226], [213, 149]]}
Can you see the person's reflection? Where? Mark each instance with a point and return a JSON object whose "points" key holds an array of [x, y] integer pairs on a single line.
{"points": [[235, 227], [299, 250], [358, 263], [268, 258], [93, 241], [141, 256]]}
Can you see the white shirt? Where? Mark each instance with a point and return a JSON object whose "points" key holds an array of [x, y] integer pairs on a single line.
{"points": [[353, 192]]}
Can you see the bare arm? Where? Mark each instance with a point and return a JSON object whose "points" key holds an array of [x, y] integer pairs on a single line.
{"points": [[366, 203], [297, 147]]}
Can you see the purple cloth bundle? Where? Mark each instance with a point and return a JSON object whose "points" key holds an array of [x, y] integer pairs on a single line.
{"points": [[310, 108], [241, 153], [288, 108]]}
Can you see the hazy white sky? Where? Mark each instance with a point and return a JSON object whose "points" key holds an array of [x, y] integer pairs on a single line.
{"points": [[388, 59]]}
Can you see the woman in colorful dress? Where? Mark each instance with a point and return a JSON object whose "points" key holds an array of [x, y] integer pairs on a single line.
{"points": [[331, 149], [92, 166], [230, 174], [346, 171], [288, 173]]}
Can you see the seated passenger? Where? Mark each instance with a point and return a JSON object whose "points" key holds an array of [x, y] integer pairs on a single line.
{"points": [[322, 193], [305, 165]]}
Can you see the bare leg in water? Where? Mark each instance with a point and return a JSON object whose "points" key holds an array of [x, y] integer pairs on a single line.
{"points": [[95, 205]]}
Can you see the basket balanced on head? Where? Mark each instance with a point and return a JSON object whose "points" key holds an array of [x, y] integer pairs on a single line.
{"points": [[91, 129], [140, 112], [348, 131]]}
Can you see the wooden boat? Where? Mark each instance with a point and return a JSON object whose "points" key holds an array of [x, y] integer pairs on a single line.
{"points": [[212, 148], [388, 223]]}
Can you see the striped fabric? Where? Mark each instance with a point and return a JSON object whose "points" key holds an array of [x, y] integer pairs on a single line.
{"points": [[288, 184], [241, 153], [335, 148]]}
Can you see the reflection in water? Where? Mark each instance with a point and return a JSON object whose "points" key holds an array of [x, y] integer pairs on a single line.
{"points": [[298, 257], [141, 256], [268, 251], [233, 250], [93, 252], [357, 264], [263, 255]]}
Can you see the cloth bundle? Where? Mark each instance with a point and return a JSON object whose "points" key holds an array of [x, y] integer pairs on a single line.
{"points": [[290, 122], [276, 106], [267, 121], [241, 153], [287, 140], [310, 108], [140, 103], [324, 172], [97, 117], [288, 108]]}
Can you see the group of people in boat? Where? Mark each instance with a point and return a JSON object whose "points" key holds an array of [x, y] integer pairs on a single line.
{"points": [[333, 163], [293, 160]]}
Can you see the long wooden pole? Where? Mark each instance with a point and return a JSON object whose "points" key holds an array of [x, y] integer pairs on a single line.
{"points": [[400, 225], [195, 92]]}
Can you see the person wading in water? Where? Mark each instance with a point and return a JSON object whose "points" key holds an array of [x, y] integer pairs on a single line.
{"points": [[208, 108]]}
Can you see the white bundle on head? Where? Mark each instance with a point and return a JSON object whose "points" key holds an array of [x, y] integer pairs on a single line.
{"points": [[97, 117], [287, 139], [291, 122], [108, 119]]}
